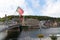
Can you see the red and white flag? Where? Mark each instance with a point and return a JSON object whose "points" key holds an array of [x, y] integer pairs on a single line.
{"points": [[20, 11]]}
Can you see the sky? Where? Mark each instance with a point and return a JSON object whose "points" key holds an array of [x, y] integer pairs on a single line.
{"points": [[31, 7]]}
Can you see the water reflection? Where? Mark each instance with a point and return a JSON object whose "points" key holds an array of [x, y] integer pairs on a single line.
{"points": [[45, 32]]}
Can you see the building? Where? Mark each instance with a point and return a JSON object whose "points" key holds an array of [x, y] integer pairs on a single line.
{"points": [[55, 24]]}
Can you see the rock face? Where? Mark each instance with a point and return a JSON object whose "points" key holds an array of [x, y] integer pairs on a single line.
{"points": [[33, 23]]}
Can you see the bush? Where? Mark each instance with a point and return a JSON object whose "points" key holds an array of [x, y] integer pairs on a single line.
{"points": [[53, 37]]}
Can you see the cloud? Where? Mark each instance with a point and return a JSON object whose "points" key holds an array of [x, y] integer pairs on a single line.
{"points": [[31, 7], [9, 6], [35, 3], [51, 8]]}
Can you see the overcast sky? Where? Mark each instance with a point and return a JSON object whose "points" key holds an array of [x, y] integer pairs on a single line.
{"points": [[31, 7]]}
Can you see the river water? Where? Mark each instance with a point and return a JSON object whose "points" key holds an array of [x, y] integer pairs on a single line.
{"points": [[45, 32], [32, 34]]}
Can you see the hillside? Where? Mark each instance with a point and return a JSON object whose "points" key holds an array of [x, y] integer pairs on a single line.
{"points": [[35, 17]]}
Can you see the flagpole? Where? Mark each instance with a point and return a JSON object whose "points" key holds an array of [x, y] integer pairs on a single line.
{"points": [[20, 11], [23, 21]]}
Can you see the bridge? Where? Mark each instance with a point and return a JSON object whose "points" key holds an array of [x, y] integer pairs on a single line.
{"points": [[9, 27], [11, 33]]}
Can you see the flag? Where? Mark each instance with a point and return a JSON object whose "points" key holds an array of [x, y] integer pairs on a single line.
{"points": [[20, 11]]}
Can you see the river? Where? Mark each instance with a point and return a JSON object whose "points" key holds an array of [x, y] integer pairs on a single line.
{"points": [[32, 34]]}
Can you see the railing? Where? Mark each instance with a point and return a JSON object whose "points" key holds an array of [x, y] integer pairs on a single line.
{"points": [[9, 27]]}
